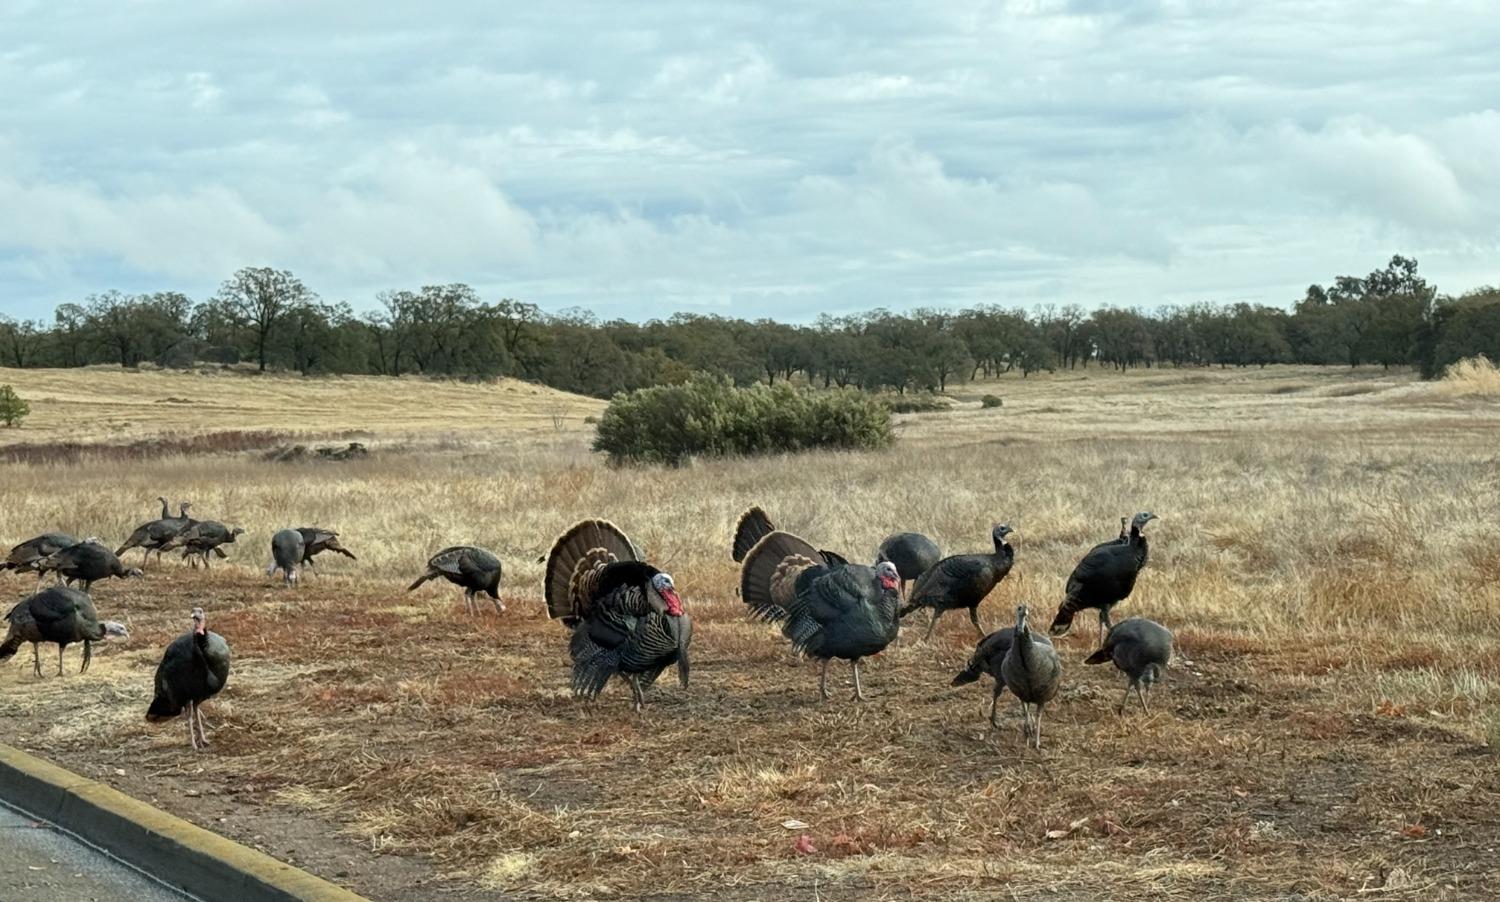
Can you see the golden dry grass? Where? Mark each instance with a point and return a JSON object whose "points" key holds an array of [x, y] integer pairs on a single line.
{"points": [[104, 404], [1326, 555], [1472, 377]]}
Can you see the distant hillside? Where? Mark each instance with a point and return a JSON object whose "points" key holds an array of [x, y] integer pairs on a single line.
{"points": [[109, 403]]}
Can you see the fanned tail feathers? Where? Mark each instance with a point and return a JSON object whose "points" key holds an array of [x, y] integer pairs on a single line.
{"points": [[768, 576], [754, 525], [574, 561]]}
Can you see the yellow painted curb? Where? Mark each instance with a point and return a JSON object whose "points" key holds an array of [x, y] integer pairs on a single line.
{"points": [[175, 852]]}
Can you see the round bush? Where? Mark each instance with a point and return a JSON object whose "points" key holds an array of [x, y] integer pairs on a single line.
{"points": [[991, 401], [709, 417]]}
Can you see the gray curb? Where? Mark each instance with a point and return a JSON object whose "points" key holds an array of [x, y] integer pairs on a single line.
{"points": [[168, 848]]}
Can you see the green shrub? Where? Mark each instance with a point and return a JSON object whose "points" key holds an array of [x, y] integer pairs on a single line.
{"points": [[915, 403], [709, 417], [991, 401], [13, 409]]}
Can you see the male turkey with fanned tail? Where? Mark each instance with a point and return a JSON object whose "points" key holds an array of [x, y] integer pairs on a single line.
{"points": [[626, 616], [827, 607], [1104, 578]]}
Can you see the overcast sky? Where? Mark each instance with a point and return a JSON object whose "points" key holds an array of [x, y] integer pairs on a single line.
{"points": [[750, 160]]}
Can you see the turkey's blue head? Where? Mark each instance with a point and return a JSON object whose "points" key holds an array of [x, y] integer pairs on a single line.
{"points": [[1141, 519], [200, 622], [888, 576], [665, 589]]}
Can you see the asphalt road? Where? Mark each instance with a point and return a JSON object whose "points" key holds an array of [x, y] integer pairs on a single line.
{"points": [[39, 864]]}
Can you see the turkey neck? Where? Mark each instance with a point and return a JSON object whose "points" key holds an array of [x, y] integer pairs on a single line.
{"points": [[1138, 542], [1025, 648], [888, 607], [1003, 551]]}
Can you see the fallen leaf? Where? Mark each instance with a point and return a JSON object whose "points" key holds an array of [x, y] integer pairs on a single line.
{"points": [[793, 824], [1414, 831], [1072, 828], [804, 845], [1239, 793]]}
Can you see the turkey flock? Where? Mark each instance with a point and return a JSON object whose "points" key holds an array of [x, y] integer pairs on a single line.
{"points": [[625, 617]]}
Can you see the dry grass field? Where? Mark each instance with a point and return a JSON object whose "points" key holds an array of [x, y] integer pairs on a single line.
{"points": [[1326, 555]]}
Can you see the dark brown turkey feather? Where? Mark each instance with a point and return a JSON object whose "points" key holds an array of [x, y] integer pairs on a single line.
{"points": [[754, 525], [589, 544], [770, 568]]}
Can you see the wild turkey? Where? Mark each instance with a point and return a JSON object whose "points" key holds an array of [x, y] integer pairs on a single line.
{"points": [[286, 554], [31, 552], [963, 581], [827, 608], [60, 615], [316, 540], [470, 567], [86, 562], [625, 614], [988, 655], [201, 539], [151, 536], [193, 669], [1141, 649], [1032, 673], [912, 553], [1104, 577]]}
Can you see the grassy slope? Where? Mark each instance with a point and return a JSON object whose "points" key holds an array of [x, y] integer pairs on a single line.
{"points": [[111, 404], [1326, 556]]}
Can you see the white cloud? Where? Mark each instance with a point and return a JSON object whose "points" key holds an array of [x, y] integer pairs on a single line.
{"points": [[204, 94], [774, 159]]}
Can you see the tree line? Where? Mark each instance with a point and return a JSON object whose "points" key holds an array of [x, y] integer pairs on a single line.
{"points": [[268, 317]]}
